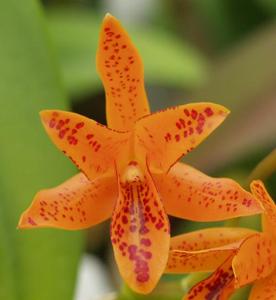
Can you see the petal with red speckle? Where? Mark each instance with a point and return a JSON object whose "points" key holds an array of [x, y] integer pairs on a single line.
{"points": [[204, 250], [255, 259], [90, 145], [187, 193], [264, 289], [165, 136], [139, 231], [220, 285], [75, 204], [122, 74], [259, 191]]}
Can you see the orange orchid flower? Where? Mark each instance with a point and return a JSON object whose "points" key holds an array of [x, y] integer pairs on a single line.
{"points": [[240, 256], [128, 168]]}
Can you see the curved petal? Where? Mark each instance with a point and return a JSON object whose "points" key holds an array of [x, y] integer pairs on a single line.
{"points": [[188, 193], [254, 260], [90, 145], [220, 285], [259, 191], [165, 136], [122, 74], [204, 250], [264, 289], [75, 204], [140, 233]]}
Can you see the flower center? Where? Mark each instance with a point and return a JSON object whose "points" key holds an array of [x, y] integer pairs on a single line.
{"points": [[132, 173]]}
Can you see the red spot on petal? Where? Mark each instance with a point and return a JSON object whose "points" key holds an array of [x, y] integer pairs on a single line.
{"points": [[208, 111], [193, 114], [79, 125]]}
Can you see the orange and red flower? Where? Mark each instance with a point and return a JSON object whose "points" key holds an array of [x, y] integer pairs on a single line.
{"points": [[239, 256], [129, 170]]}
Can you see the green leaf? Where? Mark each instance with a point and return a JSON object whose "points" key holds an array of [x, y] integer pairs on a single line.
{"points": [[167, 60], [243, 81], [34, 264]]}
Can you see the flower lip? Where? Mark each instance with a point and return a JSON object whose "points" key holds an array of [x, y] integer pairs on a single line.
{"points": [[132, 173]]}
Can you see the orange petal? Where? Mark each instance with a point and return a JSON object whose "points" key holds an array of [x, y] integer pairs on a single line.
{"points": [[190, 194], [264, 289], [220, 285], [167, 135], [255, 259], [90, 145], [259, 191], [75, 204], [122, 74], [140, 233], [204, 250]]}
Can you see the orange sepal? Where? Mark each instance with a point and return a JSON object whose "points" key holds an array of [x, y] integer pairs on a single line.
{"points": [[254, 260], [75, 204], [165, 136], [269, 220], [90, 145], [121, 70], [140, 232], [204, 250], [187, 193], [264, 289], [220, 285]]}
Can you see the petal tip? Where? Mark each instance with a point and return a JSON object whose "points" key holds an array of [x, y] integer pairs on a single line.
{"points": [[26, 222], [109, 18], [44, 113], [107, 15], [22, 222]]}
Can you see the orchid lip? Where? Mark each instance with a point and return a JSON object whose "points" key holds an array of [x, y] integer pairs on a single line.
{"points": [[132, 173]]}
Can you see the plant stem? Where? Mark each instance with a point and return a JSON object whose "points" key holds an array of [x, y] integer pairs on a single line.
{"points": [[264, 168]]}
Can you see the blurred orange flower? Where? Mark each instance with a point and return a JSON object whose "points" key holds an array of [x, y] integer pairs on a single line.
{"points": [[128, 168], [243, 256]]}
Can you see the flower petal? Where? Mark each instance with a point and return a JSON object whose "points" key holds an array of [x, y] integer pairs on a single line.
{"points": [[122, 74], [77, 203], [90, 145], [140, 233], [204, 250], [220, 285], [188, 193], [167, 135], [264, 289], [255, 259], [259, 191]]}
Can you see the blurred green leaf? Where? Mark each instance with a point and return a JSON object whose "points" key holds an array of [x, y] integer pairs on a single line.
{"points": [[35, 264], [241, 293], [165, 290], [268, 5], [244, 81], [168, 61], [227, 21]]}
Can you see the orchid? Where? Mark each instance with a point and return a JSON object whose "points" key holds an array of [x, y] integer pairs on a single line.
{"points": [[129, 170], [239, 256]]}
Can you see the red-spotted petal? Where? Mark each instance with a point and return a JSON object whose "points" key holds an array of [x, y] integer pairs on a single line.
{"points": [[75, 204], [252, 261], [139, 231], [264, 289], [90, 145], [204, 250], [190, 194], [255, 259], [165, 136], [122, 74], [259, 191], [219, 286]]}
